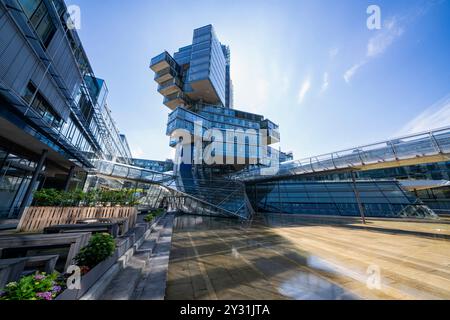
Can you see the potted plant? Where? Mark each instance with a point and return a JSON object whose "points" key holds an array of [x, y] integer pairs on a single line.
{"points": [[39, 286], [100, 247]]}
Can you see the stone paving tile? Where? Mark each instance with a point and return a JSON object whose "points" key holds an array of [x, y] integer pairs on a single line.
{"points": [[222, 259]]}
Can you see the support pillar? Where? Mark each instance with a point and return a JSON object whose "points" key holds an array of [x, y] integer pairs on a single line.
{"points": [[358, 198], [69, 178], [34, 178]]}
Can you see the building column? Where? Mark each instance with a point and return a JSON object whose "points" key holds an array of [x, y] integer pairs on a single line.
{"points": [[34, 178], [358, 198], [69, 178]]}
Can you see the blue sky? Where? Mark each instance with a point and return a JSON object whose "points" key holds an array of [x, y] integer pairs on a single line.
{"points": [[313, 67]]}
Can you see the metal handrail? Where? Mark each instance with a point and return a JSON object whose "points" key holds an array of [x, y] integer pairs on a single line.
{"points": [[362, 153]]}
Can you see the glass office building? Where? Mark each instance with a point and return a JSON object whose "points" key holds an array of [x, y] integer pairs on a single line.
{"points": [[197, 87], [54, 117]]}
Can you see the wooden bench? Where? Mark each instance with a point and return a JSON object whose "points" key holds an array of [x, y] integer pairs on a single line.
{"points": [[124, 223], [73, 241], [111, 228]]}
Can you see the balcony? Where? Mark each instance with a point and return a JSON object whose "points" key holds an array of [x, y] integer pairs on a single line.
{"points": [[170, 87], [175, 100], [165, 75], [163, 61], [273, 136]]}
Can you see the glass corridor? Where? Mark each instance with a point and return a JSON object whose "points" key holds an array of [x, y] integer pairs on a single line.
{"points": [[379, 198]]}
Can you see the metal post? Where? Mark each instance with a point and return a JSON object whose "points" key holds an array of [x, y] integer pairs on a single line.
{"points": [[33, 181], [69, 178], [358, 198]]}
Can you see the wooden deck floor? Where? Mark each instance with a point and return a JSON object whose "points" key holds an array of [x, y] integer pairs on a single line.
{"points": [[309, 259]]}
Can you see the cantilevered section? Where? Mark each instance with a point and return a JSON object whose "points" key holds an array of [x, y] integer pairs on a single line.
{"points": [[174, 100], [171, 86], [201, 71], [163, 61]]}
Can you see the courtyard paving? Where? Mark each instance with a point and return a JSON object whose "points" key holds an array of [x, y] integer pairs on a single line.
{"points": [[309, 258]]}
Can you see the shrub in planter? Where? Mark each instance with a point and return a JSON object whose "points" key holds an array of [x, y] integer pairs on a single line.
{"points": [[34, 287], [149, 217], [153, 214], [48, 198], [101, 246], [55, 198]]}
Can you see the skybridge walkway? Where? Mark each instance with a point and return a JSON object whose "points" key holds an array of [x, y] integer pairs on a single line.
{"points": [[432, 146], [185, 192]]}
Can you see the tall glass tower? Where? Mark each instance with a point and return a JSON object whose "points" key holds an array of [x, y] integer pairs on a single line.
{"points": [[197, 87]]}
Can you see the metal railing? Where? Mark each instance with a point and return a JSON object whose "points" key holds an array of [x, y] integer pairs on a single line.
{"points": [[412, 147], [127, 172], [227, 199]]}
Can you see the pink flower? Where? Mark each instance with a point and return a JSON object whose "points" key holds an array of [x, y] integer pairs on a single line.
{"points": [[45, 295], [56, 289], [39, 277]]}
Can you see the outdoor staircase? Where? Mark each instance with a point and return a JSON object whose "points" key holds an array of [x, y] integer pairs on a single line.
{"points": [[145, 273], [220, 196]]}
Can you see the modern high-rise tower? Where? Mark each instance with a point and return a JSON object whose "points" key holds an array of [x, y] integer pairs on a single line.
{"points": [[196, 85]]}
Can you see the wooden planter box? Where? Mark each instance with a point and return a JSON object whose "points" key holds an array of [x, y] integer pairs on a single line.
{"points": [[36, 219]]}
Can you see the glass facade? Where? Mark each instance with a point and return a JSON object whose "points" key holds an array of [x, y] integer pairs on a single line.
{"points": [[202, 70], [159, 166], [228, 122], [196, 85], [15, 176], [39, 16], [293, 196], [51, 99], [437, 199]]}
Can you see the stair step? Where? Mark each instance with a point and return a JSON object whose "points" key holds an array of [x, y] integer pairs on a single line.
{"points": [[122, 286], [154, 275], [124, 283], [149, 259]]}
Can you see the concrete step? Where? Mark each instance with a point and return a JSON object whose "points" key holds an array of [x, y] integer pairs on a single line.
{"points": [[154, 277], [125, 283]]}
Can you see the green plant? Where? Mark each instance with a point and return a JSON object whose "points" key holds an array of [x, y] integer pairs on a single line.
{"points": [[54, 198], [153, 214], [48, 197], [101, 246], [34, 287]]}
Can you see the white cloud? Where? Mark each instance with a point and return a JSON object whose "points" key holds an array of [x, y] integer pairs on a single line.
{"points": [[326, 82], [348, 75], [380, 42], [377, 45], [435, 116], [306, 86]]}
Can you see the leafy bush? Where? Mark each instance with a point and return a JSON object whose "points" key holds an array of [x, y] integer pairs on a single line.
{"points": [[48, 197], [34, 287], [149, 217], [53, 198], [101, 246], [153, 214]]}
